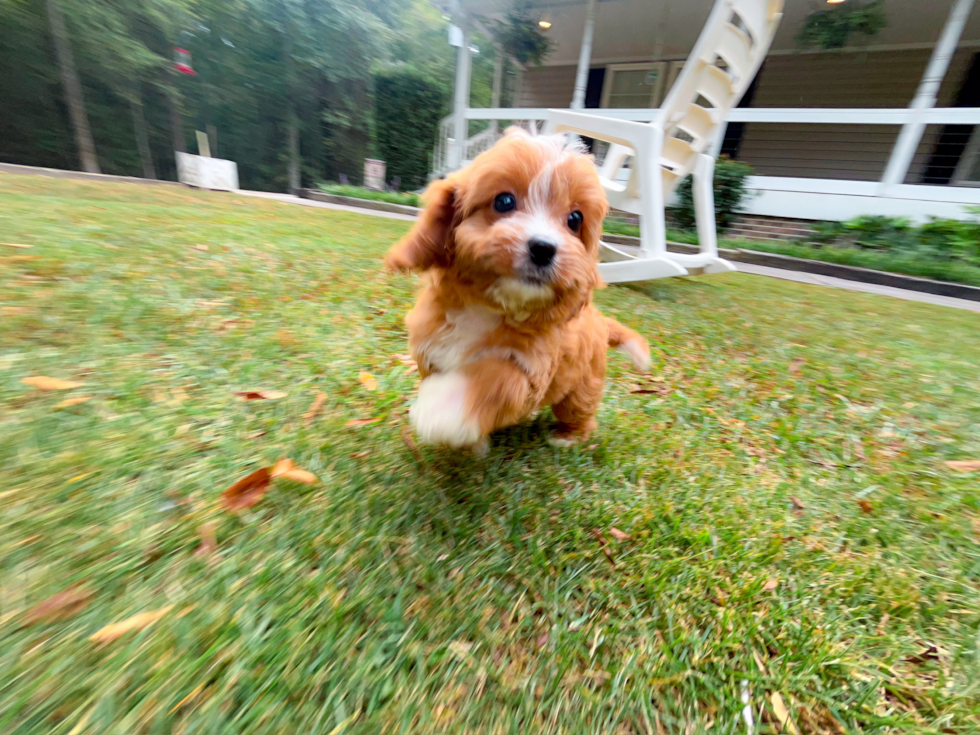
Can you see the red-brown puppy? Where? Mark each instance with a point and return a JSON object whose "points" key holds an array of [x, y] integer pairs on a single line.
{"points": [[505, 323]]}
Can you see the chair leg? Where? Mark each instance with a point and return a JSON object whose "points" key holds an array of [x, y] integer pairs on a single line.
{"points": [[704, 204], [653, 223], [704, 214]]}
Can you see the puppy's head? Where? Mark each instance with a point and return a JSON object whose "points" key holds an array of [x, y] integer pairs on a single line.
{"points": [[519, 227]]}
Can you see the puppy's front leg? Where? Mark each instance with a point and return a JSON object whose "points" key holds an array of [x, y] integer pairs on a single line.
{"points": [[460, 408]]}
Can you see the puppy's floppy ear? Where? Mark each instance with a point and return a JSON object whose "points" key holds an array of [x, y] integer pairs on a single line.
{"points": [[430, 242]]}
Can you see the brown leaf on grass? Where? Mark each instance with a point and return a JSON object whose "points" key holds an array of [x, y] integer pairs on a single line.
{"points": [[604, 546], [42, 382], [782, 714], [16, 245], [368, 381], [286, 469], [361, 422], [73, 401], [796, 365], [965, 465], [257, 395], [209, 544], [63, 605], [866, 506], [200, 246], [542, 640], [797, 503], [248, 491], [315, 407], [619, 535], [138, 622], [257, 434], [770, 585], [359, 455], [412, 446]]}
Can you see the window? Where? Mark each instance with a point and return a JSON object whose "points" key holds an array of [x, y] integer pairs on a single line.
{"points": [[634, 86], [968, 170]]}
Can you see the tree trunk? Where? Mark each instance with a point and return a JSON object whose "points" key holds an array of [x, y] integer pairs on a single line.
{"points": [[292, 124], [176, 126], [293, 135], [73, 89], [142, 138]]}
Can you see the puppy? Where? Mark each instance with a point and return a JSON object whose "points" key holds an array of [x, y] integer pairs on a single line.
{"points": [[505, 323]]}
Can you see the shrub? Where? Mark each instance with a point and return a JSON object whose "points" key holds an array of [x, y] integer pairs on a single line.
{"points": [[406, 198], [730, 194], [407, 109], [937, 240]]}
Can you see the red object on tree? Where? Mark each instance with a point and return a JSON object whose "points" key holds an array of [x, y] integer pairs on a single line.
{"points": [[182, 61]]}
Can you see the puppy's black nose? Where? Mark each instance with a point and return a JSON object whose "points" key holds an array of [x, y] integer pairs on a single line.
{"points": [[542, 252]]}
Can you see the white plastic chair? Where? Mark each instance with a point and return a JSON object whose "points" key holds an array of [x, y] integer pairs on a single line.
{"points": [[725, 60]]}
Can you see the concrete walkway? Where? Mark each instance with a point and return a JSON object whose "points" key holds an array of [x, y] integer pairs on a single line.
{"points": [[755, 270]]}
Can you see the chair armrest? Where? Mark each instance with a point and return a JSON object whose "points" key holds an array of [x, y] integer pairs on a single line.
{"points": [[612, 130]]}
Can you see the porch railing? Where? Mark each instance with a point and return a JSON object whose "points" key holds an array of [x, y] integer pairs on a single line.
{"points": [[850, 145]]}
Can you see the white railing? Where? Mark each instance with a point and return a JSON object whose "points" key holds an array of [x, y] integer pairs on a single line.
{"points": [[800, 151]]}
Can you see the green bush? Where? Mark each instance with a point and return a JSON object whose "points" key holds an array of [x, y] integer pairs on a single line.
{"points": [[406, 198], [731, 193], [937, 240], [407, 109]]}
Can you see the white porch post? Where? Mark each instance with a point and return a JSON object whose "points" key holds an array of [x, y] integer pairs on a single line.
{"points": [[925, 97], [498, 75], [461, 100], [584, 57]]}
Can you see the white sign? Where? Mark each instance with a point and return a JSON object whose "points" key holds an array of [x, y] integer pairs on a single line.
{"points": [[455, 36], [374, 174], [207, 173]]}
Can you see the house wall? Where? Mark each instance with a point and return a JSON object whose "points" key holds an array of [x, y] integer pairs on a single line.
{"points": [[853, 79]]}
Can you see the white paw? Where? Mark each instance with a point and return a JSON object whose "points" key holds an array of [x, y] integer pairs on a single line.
{"points": [[439, 414], [562, 442], [637, 352]]}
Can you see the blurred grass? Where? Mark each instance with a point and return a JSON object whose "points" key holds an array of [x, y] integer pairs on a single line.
{"points": [[444, 593]]}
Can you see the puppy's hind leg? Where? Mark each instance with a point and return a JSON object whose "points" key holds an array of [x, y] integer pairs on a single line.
{"points": [[576, 413]]}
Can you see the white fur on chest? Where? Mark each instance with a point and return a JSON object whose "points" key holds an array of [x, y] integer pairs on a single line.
{"points": [[464, 331]]}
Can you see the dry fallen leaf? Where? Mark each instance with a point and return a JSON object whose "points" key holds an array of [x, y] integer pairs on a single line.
{"points": [[361, 422], [542, 640], [16, 245], [368, 381], [254, 395], [461, 648], [248, 491], [73, 401], [257, 434], [412, 446], [771, 585], [63, 605], [866, 506], [209, 544], [782, 714], [315, 407], [359, 455], [42, 382], [604, 546], [286, 469], [619, 535], [138, 622], [795, 365], [967, 465], [797, 503]]}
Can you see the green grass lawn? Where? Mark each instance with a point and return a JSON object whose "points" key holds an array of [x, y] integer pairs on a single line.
{"points": [[784, 513]]}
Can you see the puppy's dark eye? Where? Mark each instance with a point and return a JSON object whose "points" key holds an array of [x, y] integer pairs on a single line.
{"points": [[575, 221], [504, 203]]}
